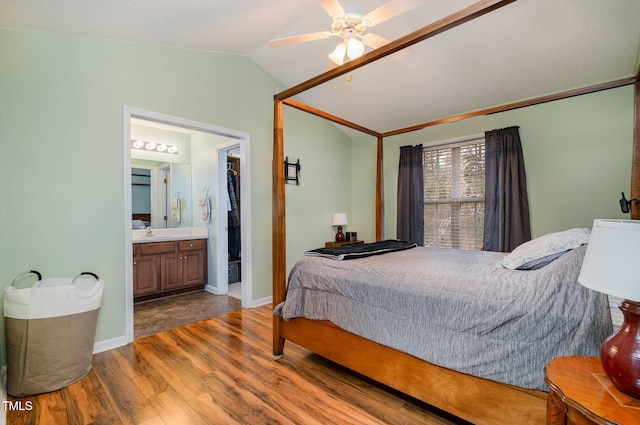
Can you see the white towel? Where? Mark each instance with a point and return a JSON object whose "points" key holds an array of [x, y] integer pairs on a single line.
{"points": [[176, 212], [205, 210]]}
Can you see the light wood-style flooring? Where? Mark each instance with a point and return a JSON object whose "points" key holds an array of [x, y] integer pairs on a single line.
{"points": [[219, 371]]}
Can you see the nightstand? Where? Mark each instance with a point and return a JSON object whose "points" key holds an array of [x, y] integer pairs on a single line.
{"points": [[337, 244], [580, 394]]}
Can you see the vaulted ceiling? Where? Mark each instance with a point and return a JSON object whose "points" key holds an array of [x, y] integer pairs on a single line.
{"points": [[526, 49]]}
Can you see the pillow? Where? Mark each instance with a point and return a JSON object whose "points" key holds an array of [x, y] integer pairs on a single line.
{"points": [[539, 263], [541, 251]]}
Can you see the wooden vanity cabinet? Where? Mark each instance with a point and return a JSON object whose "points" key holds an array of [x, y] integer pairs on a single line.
{"points": [[167, 268], [145, 274]]}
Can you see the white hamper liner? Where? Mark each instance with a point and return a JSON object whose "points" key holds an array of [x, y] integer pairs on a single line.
{"points": [[50, 330]]}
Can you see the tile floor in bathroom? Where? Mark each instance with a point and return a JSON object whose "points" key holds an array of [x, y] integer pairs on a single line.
{"points": [[168, 313]]}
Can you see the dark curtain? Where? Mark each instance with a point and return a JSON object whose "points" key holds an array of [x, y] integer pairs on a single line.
{"points": [[506, 220], [410, 225]]}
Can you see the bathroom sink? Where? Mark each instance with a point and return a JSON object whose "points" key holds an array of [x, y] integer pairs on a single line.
{"points": [[161, 235]]}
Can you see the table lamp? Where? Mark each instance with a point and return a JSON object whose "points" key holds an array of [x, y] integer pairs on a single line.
{"points": [[340, 219], [610, 267]]}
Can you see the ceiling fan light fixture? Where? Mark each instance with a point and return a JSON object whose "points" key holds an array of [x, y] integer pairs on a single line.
{"points": [[355, 48], [337, 56]]}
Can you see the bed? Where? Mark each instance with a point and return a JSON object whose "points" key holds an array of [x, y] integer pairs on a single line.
{"points": [[480, 400], [455, 309]]}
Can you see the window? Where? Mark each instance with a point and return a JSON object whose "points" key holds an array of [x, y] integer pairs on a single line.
{"points": [[454, 195]]}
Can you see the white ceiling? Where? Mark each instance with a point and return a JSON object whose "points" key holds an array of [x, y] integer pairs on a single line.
{"points": [[526, 49]]}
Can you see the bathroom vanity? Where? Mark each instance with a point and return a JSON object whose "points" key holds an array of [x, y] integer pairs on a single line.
{"points": [[168, 264]]}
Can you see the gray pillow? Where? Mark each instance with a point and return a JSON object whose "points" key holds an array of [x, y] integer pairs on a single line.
{"points": [[539, 248], [539, 263]]}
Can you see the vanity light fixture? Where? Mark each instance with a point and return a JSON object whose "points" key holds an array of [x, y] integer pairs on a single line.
{"points": [[152, 146]]}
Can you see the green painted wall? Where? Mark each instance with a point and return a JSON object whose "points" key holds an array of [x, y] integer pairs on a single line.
{"points": [[577, 156], [62, 158], [325, 186]]}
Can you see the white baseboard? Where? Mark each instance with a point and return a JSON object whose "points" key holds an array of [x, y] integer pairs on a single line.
{"points": [[109, 344], [211, 289], [261, 301]]}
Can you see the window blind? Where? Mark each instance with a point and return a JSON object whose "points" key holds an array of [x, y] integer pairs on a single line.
{"points": [[454, 196]]}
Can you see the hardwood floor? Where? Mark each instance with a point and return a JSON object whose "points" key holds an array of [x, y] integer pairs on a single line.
{"points": [[167, 313], [219, 371]]}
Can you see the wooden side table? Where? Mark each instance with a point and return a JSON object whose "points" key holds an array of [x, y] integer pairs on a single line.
{"points": [[580, 394], [337, 244]]}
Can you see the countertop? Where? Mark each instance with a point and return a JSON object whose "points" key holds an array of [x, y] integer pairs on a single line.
{"points": [[164, 235]]}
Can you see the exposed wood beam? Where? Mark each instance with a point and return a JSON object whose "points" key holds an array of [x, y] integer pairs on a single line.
{"points": [[635, 163], [328, 116], [279, 224], [455, 19], [516, 105], [379, 191]]}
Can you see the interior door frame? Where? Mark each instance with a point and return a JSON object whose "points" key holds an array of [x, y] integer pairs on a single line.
{"points": [[241, 139], [222, 222]]}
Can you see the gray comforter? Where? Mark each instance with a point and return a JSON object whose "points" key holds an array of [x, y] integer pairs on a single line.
{"points": [[456, 309]]}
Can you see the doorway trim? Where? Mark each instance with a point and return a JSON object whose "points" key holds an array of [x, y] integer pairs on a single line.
{"points": [[222, 222], [241, 139]]}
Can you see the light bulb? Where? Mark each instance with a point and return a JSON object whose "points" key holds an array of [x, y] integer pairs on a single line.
{"points": [[355, 48], [138, 144], [151, 146], [337, 56], [162, 148]]}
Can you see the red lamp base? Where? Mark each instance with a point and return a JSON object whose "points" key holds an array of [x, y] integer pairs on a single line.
{"points": [[339, 235], [620, 353]]}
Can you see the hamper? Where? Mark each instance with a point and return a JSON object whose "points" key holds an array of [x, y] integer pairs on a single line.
{"points": [[50, 331]]}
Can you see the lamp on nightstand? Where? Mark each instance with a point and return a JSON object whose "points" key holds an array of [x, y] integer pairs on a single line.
{"points": [[340, 219], [610, 266]]}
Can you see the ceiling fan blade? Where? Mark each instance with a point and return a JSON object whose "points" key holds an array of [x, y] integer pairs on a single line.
{"points": [[332, 7], [375, 41], [279, 42], [389, 10]]}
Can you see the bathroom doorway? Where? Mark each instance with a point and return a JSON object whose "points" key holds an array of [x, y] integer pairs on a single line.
{"points": [[209, 150]]}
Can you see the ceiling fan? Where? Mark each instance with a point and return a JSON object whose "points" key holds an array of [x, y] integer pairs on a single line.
{"points": [[350, 24]]}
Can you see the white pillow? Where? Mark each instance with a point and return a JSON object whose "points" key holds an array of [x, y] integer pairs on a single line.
{"points": [[545, 246]]}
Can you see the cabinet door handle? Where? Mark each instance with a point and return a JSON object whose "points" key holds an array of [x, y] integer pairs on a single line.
{"points": [[135, 263]]}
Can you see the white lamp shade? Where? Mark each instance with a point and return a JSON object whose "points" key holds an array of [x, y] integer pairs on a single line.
{"points": [[340, 219], [355, 48], [610, 263], [337, 56]]}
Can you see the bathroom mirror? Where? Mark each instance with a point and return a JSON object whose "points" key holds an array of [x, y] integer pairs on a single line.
{"points": [[160, 195], [160, 180]]}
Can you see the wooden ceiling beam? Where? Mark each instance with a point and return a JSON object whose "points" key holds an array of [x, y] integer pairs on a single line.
{"points": [[328, 116], [517, 105]]}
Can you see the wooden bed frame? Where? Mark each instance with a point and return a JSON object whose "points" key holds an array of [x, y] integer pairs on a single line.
{"points": [[471, 398]]}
